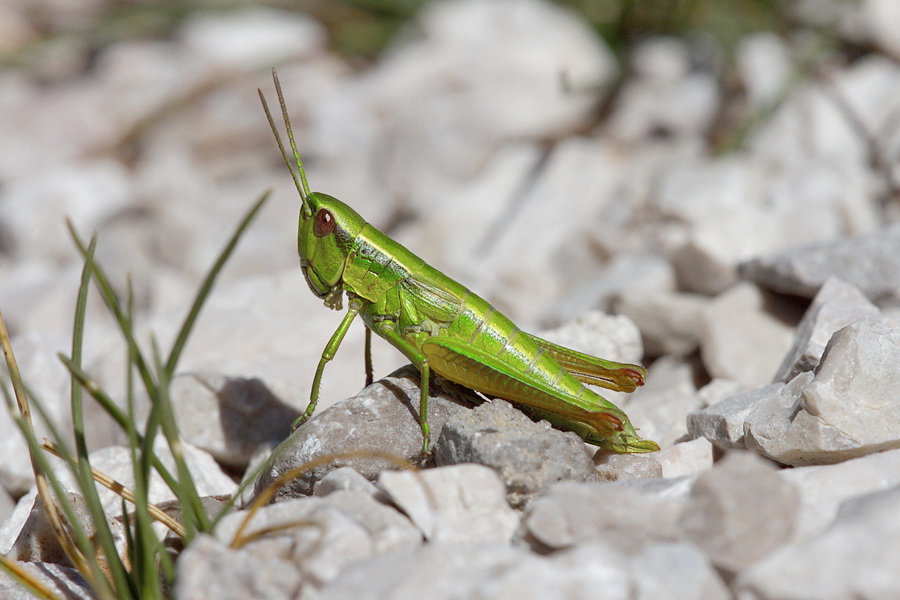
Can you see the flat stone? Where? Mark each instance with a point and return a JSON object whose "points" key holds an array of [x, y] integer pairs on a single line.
{"points": [[669, 322], [869, 262], [744, 335], [686, 458], [528, 456], [460, 503], [855, 387], [856, 557], [740, 511], [208, 568], [37, 541], [675, 569], [824, 487], [627, 516], [321, 536], [722, 423], [442, 572], [663, 94], [344, 479], [612, 466], [836, 305], [502, 572]]}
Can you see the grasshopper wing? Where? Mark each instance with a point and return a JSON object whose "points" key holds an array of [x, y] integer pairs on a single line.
{"points": [[431, 301], [621, 377]]}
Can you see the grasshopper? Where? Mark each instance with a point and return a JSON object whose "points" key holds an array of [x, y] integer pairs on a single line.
{"points": [[444, 328]]}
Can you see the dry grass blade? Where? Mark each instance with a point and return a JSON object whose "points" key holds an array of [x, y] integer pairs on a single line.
{"points": [[31, 583], [123, 491], [43, 488]]}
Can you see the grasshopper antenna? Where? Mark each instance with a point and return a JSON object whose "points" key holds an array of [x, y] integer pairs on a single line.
{"points": [[301, 183]]}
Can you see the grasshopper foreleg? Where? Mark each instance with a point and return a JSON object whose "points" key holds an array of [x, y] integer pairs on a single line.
{"points": [[353, 308]]}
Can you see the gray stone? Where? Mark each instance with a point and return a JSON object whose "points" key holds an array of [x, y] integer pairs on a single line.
{"points": [[358, 432], [229, 417], [501, 572], [764, 63], [626, 271], [707, 262], [37, 541], [65, 582], [460, 503], [344, 479], [740, 511], [823, 488], [849, 409], [528, 456], [855, 387], [321, 535], [388, 529], [612, 466], [575, 513], [685, 458], [836, 305], [439, 572], [664, 94], [719, 389], [723, 422], [669, 321], [674, 570], [856, 557], [870, 262], [210, 569], [743, 336]]}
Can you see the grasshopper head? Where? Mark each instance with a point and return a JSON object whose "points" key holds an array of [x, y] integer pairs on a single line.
{"points": [[324, 239], [327, 225]]}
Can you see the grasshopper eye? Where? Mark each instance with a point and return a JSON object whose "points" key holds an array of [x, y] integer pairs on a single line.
{"points": [[324, 223]]}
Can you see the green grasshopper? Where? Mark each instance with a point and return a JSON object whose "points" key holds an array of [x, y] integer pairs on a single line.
{"points": [[442, 327]]}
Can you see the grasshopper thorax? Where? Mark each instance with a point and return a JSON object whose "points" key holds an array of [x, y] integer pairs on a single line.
{"points": [[325, 238]]}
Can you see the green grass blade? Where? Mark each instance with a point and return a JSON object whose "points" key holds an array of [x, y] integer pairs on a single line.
{"points": [[112, 303], [193, 516], [82, 467]]}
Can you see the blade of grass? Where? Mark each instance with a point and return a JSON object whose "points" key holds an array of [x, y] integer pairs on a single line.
{"points": [[193, 516], [26, 579], [117, 571], [115, 412], [145, 540], [112, 303], [123, 491], [41, 469]]}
